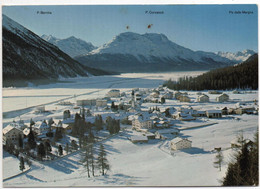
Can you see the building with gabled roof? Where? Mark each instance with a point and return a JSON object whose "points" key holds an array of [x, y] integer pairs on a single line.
{"points": [[180, 143], [203, 98], [11, 134], [222, 98]]}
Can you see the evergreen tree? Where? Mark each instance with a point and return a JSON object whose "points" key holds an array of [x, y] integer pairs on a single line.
{"points": [[92, 159], [41, 151], [20, 142], [22, 167], [31, 137], [218, 159], [102, 160], [162, 100], [47, 147], [60, 150], [67, 148], [167, 112], [243, 171], [86, 160]]}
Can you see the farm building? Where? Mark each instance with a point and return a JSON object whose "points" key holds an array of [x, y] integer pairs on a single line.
{"points": [[180, 143], [184, 98], [214, 113], [203, 98], [222, 98]]}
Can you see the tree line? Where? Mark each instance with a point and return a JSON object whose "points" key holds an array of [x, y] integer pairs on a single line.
{"points": [[241, 76]]}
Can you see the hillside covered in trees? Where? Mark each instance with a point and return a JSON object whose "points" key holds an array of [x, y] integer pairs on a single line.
{"points": [[241, 76]]}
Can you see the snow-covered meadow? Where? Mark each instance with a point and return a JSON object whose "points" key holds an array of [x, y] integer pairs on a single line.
{"points": [[151, 164]]}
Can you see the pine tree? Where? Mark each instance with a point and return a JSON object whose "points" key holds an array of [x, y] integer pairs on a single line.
{"points": [[31, 138], [20, 142], [41, 151], [86, 160], [67, 148], [21, 164], [218, 159], [102, 160], [92, 159], [60, 150]]}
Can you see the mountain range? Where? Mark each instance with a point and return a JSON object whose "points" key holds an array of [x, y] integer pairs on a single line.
{"points": [[29, 58], [151, 52], [71, 45]]}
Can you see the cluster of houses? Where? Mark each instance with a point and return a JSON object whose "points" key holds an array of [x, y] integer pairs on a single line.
{"points": [[151, 125]]}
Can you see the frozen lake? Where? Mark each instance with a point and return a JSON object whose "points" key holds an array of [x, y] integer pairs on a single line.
{"points": [[89, 87]]}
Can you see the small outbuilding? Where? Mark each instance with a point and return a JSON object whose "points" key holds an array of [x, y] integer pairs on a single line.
{"points": [[222, 98], [214, 113]]}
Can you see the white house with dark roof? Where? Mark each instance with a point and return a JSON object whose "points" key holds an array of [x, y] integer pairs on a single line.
{"points": [[166, 133], [142, 122], [180, 143]]}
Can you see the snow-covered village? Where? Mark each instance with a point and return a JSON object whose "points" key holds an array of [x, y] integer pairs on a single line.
{"points": [[139, 110]]}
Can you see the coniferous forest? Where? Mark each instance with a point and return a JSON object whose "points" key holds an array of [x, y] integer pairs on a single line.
{"points": [[241, 76]]}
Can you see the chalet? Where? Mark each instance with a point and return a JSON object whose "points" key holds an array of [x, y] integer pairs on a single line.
{"points": [[245, 110], [214, 113], [101, 103], [222, 98], [113, 93], [184, 98], [161, 124], [180, 143], [41, 127], [203, 98], [166, 133], [139, 139], [11, 134]]}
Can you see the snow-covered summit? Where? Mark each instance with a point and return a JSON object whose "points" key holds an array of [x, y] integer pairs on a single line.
{"points": [[72, 46], [152, 45], [239, 56]]}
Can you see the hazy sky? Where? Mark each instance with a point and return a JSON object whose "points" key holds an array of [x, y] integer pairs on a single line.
{"points": [[198, 27]]}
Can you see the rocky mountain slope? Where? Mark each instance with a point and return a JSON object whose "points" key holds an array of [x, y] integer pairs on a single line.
{"points": [[29, 58]]}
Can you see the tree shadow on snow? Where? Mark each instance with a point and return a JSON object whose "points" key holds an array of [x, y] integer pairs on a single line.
{"points": [[34, 178], [119, 179], [63, 165]]}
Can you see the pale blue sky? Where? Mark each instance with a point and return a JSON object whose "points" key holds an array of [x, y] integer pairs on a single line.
{"points": [[198, 27]]}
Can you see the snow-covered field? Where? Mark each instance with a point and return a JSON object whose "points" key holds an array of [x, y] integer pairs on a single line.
{"points": [[151, 164], [92, 87]]}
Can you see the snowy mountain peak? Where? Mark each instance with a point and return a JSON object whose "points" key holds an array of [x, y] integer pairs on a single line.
{"points": [[239, 56], [72, 46]]}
